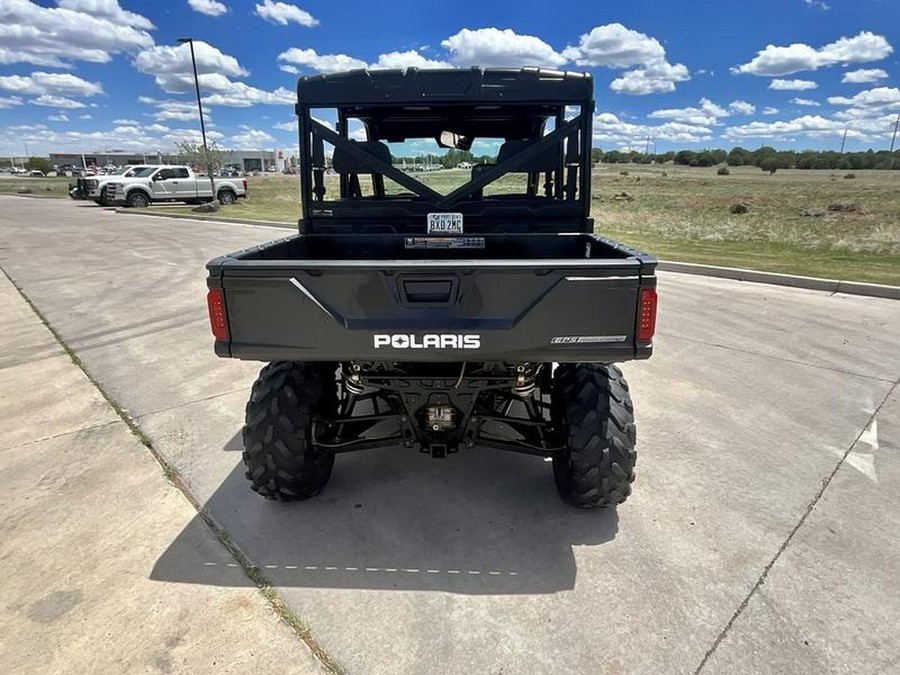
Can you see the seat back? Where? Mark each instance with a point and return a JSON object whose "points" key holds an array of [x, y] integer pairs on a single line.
{"points": [[347, 165], [546, 161], [342, 162]]}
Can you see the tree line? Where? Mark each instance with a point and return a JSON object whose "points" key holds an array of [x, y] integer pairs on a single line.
{"points": [[766, 157]]}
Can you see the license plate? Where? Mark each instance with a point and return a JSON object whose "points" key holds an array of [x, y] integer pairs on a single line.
{"points": [[445, 223]]}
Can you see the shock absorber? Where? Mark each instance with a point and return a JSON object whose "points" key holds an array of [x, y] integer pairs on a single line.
{"points": [[352, 380], [525, 381]]}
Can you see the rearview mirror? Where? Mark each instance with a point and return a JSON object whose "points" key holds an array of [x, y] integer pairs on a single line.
{"points": [[451, 139]]}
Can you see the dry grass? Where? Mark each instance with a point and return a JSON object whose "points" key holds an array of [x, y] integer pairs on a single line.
{"points": [[40, 187], [682, 213]]}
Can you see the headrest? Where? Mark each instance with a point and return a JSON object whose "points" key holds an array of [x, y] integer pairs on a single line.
{"points": [[546, 161], [342, 162]]}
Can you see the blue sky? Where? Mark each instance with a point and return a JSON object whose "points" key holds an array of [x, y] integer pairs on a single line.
{"points": [[91, 75]]}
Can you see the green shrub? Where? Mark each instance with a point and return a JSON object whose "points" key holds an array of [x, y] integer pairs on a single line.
{"points": [[723, 171]]}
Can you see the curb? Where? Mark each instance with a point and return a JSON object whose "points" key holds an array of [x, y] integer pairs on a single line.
{"points": [[200, 216], [811, 283]]}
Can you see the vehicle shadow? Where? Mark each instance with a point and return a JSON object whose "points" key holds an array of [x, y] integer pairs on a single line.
{"points": [[479, 522]]}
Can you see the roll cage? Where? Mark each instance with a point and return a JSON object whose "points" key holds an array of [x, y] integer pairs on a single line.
{"points": [[515, 106]]}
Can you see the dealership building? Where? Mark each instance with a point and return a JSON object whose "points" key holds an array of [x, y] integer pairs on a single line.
{"points": [[245, 160]]}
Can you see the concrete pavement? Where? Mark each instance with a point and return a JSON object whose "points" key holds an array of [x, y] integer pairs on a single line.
{"points": [[730, 555], [85, 512]]}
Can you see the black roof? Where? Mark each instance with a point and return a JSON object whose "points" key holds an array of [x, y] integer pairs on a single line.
{"points": [[472, 85]]}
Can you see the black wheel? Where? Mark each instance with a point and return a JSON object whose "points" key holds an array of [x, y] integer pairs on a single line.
{"points": [[138, 199], [105, 198], [281, 461], [593, 413], [227, 197]]}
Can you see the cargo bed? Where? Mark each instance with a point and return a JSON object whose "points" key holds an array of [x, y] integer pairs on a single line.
{"points": [[559, 297]]}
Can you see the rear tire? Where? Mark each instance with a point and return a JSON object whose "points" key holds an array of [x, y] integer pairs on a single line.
{"points": [[593, 412], [137, 200], [282, 463], [227, 197]]}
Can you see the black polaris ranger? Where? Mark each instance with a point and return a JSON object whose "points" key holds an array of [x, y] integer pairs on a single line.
{"points": [[470, 307]]}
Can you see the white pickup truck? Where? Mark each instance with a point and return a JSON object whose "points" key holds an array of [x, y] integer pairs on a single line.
{"points": [[94, 187], [172, 184]]}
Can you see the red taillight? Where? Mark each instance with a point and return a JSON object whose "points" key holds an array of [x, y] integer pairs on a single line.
{"points": [[647, 315], [245, 187], [218, 320]]}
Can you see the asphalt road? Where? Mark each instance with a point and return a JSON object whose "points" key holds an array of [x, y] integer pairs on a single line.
{"points": [[761, 536]]}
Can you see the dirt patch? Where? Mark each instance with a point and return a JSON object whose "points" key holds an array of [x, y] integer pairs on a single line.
{"points": [[843, 207]]}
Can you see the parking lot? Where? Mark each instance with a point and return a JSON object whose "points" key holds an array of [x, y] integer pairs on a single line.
{"points": [[761, 536]]}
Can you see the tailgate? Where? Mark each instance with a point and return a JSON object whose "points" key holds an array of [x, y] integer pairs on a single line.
{"points": [[432, 310]]}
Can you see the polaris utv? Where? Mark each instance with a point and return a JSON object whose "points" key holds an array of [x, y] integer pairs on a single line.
{"points": [[467, 308]]}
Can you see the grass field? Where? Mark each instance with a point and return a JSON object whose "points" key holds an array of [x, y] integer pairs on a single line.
{"points": [[40, 187], [682, 213]]}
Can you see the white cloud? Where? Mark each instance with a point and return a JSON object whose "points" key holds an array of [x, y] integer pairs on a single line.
{"points": [[806, 102], [9, 101], [792, 85], [410, 59], [286, 126], [182, 111], [494, 47], [172, 69], [873, 125], [863, 76], [609, 128], [615, 46], [240, 95], [251, 139], [77, 30], [322, 63], [332, 63], [46, 83], [704, 115], [86, 116], [62, 117], [283, 13], [208, 7], [879, 97], [110, 10], [773, 61], [742, 107], [821, 4], [654, 79], [56, 102], [135, 138], [769, 110], [127, 122], [814, 126]]}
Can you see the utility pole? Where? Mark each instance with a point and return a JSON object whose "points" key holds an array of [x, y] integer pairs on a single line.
{"points": [[212, 184], [844, 140], [893, 139], [647, 149]]}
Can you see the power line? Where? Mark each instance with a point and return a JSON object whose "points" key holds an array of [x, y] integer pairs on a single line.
{"points": [[894, 138]]}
